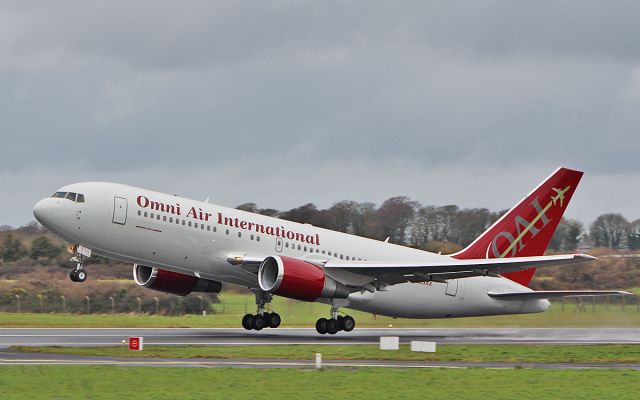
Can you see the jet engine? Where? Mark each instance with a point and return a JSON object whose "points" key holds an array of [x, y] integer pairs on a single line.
{"points": [[298, 279], [171, 282]]}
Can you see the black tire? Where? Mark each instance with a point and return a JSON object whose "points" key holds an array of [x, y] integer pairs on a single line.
{"points": [[73, 276], [81, 275], [247, 322], [340, 318], [274, 320], [348, 323], [332, 326], [258, 322], [321, 325]]}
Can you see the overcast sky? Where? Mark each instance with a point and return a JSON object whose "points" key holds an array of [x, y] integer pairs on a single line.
{"points": [[284, 103]]}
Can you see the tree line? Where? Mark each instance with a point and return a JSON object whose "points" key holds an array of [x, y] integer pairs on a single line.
{"points": [[447, 228]]}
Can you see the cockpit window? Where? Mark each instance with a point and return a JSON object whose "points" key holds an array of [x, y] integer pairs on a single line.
{"points": [[75, 197]]}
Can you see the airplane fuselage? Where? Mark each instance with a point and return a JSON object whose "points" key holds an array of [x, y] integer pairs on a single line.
{"points": [[196, 238]]}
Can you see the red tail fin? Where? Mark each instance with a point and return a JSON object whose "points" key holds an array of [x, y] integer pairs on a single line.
{"points": [[528, 227]]}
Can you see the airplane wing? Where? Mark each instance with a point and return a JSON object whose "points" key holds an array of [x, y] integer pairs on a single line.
{"points": [[552, 294], [393, 273]]}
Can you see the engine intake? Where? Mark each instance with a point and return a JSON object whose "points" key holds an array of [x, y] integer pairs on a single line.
{"points": [[176, 283], [298, 279]]}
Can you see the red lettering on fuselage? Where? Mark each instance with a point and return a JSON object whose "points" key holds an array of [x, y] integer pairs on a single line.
{"points": [[144, 202], [235, 222]]}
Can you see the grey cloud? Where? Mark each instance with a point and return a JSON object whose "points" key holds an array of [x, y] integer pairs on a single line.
{"points": [[292, 89]]}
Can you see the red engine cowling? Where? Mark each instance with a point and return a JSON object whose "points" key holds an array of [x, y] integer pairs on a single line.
{"points": [[297, 279], [172, 282]]}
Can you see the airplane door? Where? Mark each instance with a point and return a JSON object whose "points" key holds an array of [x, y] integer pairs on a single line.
{"points": [[278, 245], [119, 210], [452, 287]]}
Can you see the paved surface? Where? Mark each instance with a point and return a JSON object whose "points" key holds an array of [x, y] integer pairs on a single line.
{"points": [[13, 358], [228, 336]]}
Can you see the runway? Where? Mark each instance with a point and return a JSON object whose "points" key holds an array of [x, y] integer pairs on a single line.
{"points": [[287, 336], [20, 358]]}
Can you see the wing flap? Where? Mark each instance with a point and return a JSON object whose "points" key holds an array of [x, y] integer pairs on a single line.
{"points": [[451, 268]]}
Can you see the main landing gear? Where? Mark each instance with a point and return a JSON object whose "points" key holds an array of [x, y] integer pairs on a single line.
{"points": [[262, 319], [335, 323]]}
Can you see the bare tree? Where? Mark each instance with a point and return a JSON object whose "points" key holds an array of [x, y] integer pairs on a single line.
{"points": [[610, 230]]}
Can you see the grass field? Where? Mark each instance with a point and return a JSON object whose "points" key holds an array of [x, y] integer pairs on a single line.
{"points": [[301, 314], [468, 353], [86, 382]]}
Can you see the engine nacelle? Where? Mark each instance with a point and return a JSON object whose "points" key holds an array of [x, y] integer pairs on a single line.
{"points": [[298, 279], [166, 281]]}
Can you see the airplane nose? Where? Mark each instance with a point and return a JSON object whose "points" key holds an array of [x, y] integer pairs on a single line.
{"points": [[40, 211]]}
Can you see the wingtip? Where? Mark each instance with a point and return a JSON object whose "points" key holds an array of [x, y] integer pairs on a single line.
{"points": [[585, 257]]}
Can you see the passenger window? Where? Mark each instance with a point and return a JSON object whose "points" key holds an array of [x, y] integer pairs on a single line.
{"points": [[257, 238], [202, 226], [305, 248], [215, 229], [151, 215], [347, 258], [139, 213], [286, 245], [171, 219], [239, 234], [251, 237], [145, 214], [184, 222], [80, 198], [189, 223], [341, 257], [227, 231], [323, 252], [164, 218], [158, 217], [335, 254], [299, 247], [208, 227]]}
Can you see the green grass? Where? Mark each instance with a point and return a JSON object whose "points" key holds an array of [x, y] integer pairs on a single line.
{"points": [[302, 314], [102, 382], [468, 353]]}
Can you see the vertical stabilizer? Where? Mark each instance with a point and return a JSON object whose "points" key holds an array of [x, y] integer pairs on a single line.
{"points": [[527, 228]]}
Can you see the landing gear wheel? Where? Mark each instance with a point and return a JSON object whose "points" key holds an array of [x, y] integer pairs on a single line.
{"points": [[321, 325], [81, 275], [73, 275], [258, 322], [247, 322], [273, 320], [332, 326], [347, 323]]}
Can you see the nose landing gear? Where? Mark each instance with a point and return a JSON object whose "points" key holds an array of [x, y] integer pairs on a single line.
{"points": [[79, 274]]}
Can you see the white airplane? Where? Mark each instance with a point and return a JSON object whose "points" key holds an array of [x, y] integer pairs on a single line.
{"points": [[179, 246]]}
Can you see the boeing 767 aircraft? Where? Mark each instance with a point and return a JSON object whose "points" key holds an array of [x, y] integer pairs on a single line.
{"points": [[179, 246]]}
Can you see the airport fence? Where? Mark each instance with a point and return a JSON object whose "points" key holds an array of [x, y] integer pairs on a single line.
{"points": [[235, 304], [25, 302]]}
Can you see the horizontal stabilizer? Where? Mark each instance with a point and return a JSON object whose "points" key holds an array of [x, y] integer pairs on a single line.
{"points": [[552, 294]]}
